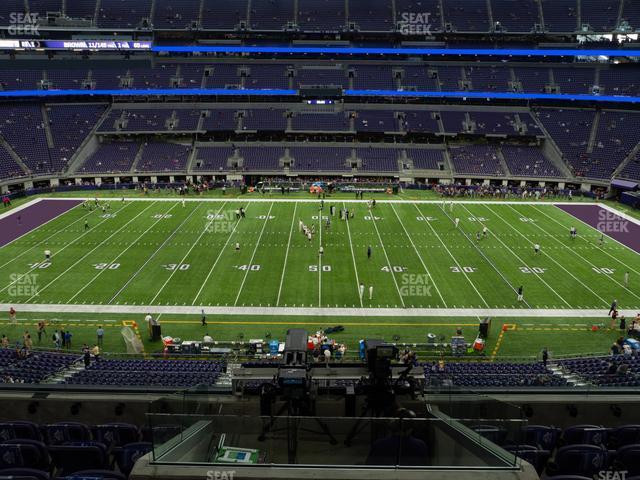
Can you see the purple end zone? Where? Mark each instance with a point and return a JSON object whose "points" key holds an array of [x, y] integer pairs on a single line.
{"points": [[23, 221], [612, 225]]}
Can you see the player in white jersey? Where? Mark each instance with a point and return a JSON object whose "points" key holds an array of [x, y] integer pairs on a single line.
{"points": [[573, 232], [361, 290], [536, 249], [47, 255], [370, 292], [237, 246], [457, 222], [485, 232], [321, 251]]}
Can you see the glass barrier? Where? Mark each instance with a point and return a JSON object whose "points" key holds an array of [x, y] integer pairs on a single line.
{"points": [[327, 441]]}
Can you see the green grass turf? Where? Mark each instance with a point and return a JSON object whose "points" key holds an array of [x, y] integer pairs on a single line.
{"points": [[162, 253], [563, 336]]}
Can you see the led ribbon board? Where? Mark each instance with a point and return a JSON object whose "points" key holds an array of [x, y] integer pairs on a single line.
{"points": [[349, 93], [75, 45], [509, 52]]}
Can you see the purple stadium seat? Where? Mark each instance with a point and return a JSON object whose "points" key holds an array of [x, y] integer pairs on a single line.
{"points": [[128, 455], [23, 474], [585, 460], [116, 434], [96, 475], [63, 432], [24, 453], [19, 429], [76, 456]]}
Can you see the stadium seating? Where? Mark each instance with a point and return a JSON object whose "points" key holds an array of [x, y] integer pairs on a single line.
{"points": [[330, 16], [169, 373], [475, 374], [476, 160], [35, 368], [116, 157]]}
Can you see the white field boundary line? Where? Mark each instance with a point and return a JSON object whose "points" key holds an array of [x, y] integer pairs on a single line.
{"points": [[14, 258], [19, 208], [550, 257], [384, 250], [286, 255], [68, 245], [419, 257], [526, 264], [131, 244], [58, 277], [222, 250], [593, 228], [253, 255], [153, 255], [355, 267], [337, 200], [619, 213], [433, 230], [28, 204], [585, 260], [484, 256], [513, 313], [175, 270], [594, 244]]}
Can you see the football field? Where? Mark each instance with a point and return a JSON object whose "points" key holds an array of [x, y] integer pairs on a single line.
{"points": [[161, 253]]}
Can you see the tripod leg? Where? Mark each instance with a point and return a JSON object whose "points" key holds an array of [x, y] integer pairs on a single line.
{"points": [[355, 430], [327, 432], [269, 425]]}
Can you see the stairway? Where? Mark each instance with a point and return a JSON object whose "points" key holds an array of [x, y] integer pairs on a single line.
{"points": [[47, 129], [628, 159], [65, 374], [16, 158]]}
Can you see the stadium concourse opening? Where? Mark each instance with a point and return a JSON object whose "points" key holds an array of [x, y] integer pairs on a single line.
{"points": [[319, 239]]}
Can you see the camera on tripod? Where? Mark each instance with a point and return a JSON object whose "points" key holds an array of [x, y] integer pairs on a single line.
{"points": [[379, 356]]}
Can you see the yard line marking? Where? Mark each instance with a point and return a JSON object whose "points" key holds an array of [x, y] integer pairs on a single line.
{"points": [[593, 244], [40, 290], [100, 272], [319, 258], [585, 260], [419, 256], [166, 240], [286, 255], [452, 257], [255, 249], [551, 258], [66, 246], [384, 250], [484, 256], [204, 230], [15, 257], [354, 260], [538, 276], [217, 259]]}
